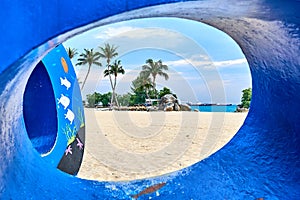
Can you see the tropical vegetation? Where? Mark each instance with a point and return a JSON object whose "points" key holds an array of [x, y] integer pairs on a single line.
{"points": [[89, 57], [142, 83], [108, 52], [142, 88], [246, 98], [71, 52], [114, 69], [128, 99], [165, 91], [153, 69], [98, 99]]}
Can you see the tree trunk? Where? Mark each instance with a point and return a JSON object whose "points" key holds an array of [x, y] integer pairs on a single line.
{"points": [[112, 98], [154, 86], [114, 92], [87, 74], [111, 84], [147, 93]]}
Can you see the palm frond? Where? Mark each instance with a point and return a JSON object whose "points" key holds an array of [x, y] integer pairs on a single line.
{"points": [[165, 75], [108, 52], [154, 68]]}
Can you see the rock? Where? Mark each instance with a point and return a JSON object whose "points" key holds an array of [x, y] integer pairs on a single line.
{"points": [[168, 103], [170, 108], [185, 107], [177, 107], [239, 109]]}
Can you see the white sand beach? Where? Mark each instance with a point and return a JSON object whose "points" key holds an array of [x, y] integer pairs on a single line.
{"points": [[127, 145]]}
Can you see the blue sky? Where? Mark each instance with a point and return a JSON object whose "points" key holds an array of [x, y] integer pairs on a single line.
{"points": [[205, 64]]}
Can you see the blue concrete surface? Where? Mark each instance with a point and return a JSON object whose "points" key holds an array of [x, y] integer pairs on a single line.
{"points": [[39, 110], [261, 161]]}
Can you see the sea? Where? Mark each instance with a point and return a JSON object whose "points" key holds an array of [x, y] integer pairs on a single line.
{"points": [[213, 108]]}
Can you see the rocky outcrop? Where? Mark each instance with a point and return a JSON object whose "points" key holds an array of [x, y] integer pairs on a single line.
{"points": [[239, 109], [185, 107], [169, 103]]}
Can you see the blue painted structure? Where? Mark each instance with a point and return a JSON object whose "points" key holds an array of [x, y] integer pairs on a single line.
{"points": [[39, 110], [262, 160], [53, 111]]}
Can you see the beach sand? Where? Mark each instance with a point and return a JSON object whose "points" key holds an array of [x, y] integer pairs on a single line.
{"points": [[128, 145]]}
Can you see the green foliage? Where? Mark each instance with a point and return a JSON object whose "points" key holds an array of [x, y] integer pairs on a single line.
{"points": [[139, 97], [143, 82], [164, 91], [124, 100], [105, 99], [140, 88], [94, 99], [142, 85], [153, 94], [71, 52], [114, 69], [246, 98], [143, 89], [108, 52], [154, 68]]}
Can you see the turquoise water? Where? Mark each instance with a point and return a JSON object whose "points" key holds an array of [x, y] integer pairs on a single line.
{"points": [[215, 108]]}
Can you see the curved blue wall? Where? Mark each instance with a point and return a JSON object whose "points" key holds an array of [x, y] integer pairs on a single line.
{"points": [[39, 110], [261, 161]]}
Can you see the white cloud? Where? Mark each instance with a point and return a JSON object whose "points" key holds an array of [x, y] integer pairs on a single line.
{"points": [[131, 32], [176, 63], [113, 32], [205, 63], [187, 63], [130, 38], [230, 62]]}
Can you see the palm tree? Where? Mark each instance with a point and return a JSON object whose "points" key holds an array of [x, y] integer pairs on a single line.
{"points": [[154, 68], [114, 69], [108, 52], [71, 52], [142, 83], [88, 57]]}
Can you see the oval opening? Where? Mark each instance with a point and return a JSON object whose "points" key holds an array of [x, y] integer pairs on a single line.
{"points": [[39, 110], [127, 145]]}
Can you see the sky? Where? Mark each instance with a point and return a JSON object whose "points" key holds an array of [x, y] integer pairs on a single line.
{"points": [[205, 64]]}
